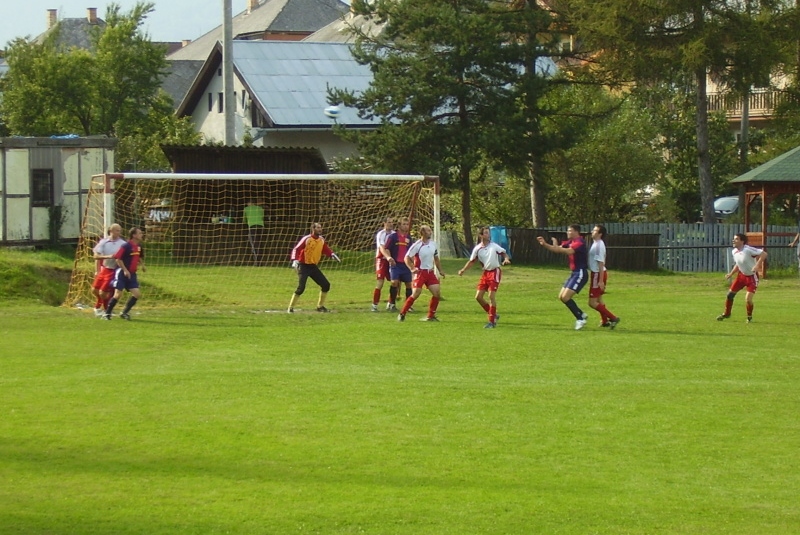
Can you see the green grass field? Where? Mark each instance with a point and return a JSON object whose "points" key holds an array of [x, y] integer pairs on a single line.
{"points": [[198, 420]]}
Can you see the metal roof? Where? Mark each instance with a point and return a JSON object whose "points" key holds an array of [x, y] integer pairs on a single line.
{"points": [[290, 80], [238, 159], [270, 16], [784, 168]]}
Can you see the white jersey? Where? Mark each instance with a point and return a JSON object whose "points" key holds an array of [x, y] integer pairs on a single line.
{"points": [[423, 254], [597, 254], [380, 239], [109, 247], [746, 259], [488, 255]]}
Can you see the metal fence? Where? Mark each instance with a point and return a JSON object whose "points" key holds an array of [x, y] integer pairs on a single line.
{"points": [[648, 246]]}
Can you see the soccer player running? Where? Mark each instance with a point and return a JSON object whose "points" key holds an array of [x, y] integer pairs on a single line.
{"points": [[599, 277], [306, 256], [421, 259], [489, 254], [381, 262], [105, 267], [748, 261], [575, 247], [129, 258], [394, 251]]}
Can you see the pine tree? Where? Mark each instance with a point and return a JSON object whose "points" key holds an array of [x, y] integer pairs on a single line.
{"points": [[455, 82]]}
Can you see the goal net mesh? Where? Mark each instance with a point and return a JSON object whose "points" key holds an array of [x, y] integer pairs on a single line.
{"points": [[199, 249]]}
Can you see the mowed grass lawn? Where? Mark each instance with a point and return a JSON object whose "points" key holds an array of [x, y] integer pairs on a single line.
{"points": [[243, 421]]}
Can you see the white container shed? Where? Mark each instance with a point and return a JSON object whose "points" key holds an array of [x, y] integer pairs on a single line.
{"points": [[38, 174]]}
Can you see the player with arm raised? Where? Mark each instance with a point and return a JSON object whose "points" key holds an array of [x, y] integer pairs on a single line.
{"points": [[306, 256], [748, 262], [422, 260], [491, 256], [575, 247], [381, 262]]}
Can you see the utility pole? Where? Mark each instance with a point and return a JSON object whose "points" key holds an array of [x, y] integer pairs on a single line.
{"points": [[229, 102]]}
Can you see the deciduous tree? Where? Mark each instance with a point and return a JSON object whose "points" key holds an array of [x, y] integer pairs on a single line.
{"points": [[112, 89]]}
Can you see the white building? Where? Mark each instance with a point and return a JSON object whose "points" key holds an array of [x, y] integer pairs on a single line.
{"points": [[281, 91]]}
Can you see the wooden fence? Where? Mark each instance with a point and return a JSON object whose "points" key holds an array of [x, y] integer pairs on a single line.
{"points": [[650, 246]]}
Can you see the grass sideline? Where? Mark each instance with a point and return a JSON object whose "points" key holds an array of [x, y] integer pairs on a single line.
{"points": [[241, 421]]}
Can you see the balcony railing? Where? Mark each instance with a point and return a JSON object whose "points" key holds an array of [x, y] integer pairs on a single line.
{"points": [[762, 103]]}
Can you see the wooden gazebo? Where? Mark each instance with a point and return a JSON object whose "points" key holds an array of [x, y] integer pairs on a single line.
{"points": [[779, 176]]}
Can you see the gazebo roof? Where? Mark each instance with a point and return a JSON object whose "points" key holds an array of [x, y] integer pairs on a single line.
{"points": [[779, 176], [784, 168]]}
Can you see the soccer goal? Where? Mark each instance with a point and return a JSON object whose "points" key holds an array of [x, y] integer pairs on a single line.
{"points": [[224, 240]]}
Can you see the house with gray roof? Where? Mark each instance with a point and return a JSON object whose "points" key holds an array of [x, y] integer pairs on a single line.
{"points": [[343, 29], [179, 78], [281, 91], [72, 32], [68, 32], [268, 20], [265, 20]]}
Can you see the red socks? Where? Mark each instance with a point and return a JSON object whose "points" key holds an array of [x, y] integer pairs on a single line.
{"points": [[434, 304]]}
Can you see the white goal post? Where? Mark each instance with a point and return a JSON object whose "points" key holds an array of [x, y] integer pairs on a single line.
{"points": [[197, 224]]}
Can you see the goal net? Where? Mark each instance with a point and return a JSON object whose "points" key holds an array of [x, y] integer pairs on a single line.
{"points": [[226, 240]]}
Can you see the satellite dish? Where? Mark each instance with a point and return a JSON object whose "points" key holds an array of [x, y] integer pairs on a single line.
{"points": [[333, 112]]}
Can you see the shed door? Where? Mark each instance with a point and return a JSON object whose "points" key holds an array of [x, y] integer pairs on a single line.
{"points": [[42, 197]]}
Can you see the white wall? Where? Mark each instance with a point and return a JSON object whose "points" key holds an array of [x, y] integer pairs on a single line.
{"points": [[212, 123], [212, 126], [328, 144]]}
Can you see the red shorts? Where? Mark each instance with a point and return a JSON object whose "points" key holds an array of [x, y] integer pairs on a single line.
{"points": [[490, 280], [745, 281], [424, 277], [381, 268], [595, 290], [102, 280]]}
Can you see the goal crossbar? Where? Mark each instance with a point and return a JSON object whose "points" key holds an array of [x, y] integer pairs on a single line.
{"points": [[264, 176]]}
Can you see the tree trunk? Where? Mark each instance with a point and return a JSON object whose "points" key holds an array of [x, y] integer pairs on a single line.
{"points": [[703, 155], [744, 133], [538, 208], [466, 209]]}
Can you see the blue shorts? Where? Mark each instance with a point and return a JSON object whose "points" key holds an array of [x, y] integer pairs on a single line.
{"points": [[577, 280], [400, 272], [121, 282]]}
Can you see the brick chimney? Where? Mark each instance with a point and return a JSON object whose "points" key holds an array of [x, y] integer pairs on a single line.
{"points": [[91, 15], [251, 5], [185, 42], [52, 18]]}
